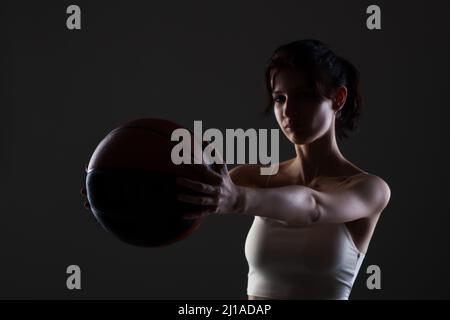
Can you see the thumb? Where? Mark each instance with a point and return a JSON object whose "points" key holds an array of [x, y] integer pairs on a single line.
{"points": [[220, 167]]}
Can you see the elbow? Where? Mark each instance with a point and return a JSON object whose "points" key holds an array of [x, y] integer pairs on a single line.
{"points": [[312, 210], [315, 213]]}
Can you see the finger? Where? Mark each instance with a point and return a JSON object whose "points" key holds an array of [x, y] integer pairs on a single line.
{"points": [[198, 186], [221, 168], [202, 201], [225, 168], [86, 168], [217, 167], [87, 205], [83, 191]]}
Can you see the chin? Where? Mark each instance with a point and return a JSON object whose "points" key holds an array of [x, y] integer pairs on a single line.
{"points": [[301, 138]]}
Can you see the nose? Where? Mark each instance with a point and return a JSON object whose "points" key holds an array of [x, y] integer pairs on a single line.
{"points": [[289, 109]]}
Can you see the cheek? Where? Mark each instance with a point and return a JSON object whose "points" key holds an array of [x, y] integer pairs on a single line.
{"points": [[322, 118], [278, 114]]}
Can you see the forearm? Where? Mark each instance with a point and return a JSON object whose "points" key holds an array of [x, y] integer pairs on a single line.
{"points": [[294, 205]]}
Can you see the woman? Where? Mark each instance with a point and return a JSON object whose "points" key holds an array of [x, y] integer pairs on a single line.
{"points": [[315, 217]]}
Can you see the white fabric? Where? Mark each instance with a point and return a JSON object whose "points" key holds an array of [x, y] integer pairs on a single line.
{"points": [[319, 262]]}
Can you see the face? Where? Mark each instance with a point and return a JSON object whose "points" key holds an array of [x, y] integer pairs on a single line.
{"points": [[302, 115]]}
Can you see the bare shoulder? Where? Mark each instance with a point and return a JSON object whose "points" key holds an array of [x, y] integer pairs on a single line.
{"points": [[372, 189], [248, 175]]}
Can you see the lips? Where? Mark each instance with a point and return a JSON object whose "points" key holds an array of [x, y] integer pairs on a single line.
{"points": [[292, 126]]}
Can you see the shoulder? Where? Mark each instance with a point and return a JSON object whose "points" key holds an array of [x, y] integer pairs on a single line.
{"points": [[371, 189], [248, 175]]}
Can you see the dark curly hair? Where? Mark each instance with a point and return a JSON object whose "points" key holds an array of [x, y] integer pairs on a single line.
{"points": [[324, 72]]}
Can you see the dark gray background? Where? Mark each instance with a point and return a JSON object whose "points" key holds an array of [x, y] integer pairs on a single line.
{"points": [[62, 91]]}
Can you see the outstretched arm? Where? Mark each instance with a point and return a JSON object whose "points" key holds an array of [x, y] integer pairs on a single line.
{"points": [[302, 206], [294, 205]]}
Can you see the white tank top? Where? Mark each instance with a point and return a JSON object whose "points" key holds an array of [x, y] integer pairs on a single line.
{"points": [[318, 262]]}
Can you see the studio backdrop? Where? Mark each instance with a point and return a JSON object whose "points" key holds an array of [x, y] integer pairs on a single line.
{"points": [[65, 86]]}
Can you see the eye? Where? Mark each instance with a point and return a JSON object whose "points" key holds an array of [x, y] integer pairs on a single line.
{"points": [[279, 99]]}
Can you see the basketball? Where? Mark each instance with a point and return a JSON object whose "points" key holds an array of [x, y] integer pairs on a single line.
{"points": [[131, 187]]}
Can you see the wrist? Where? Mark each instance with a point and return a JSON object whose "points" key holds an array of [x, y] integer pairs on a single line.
{"points": [[241, 200]]}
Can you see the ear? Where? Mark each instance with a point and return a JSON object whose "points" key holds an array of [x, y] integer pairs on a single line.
{"points": [[339, 98]]}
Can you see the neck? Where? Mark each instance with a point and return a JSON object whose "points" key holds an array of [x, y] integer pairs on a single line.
{"points": [[319, 158]]}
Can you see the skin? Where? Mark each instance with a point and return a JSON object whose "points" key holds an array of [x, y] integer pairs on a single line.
{"points": [[318, 186]]}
